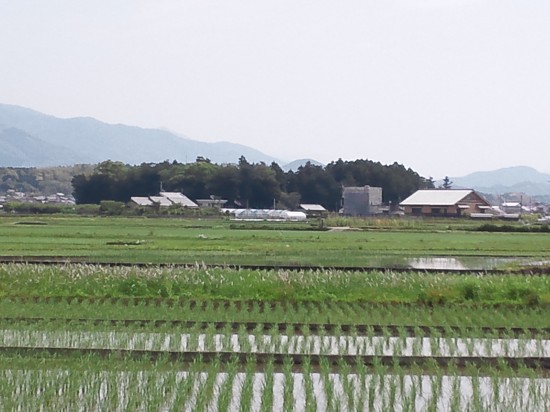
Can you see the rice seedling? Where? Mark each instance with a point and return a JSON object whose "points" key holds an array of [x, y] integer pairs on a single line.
{"points": [[224, 388], [247, 386], [208, 394], [309, 390], [268, 387]]}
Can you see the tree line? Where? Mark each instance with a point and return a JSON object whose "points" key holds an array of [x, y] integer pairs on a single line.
{"points": [[254, 185]]}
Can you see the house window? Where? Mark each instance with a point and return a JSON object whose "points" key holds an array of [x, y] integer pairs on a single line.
{"points": [[436, 210], [416, 210]]}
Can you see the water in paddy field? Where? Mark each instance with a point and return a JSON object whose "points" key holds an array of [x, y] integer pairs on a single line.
{"points": [[203, 386], [282, 344], [462, 263], [191, 391]]}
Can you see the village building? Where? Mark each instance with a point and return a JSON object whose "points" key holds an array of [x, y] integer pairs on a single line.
{"points": [[161, 201], [213, 202], [445, 203], [141, 201], [165, 199], [313, 210], [361, 201], [178, 198], [512, 207]]}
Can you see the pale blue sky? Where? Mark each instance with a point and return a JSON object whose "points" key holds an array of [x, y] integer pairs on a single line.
{"points": [[445, 87]]}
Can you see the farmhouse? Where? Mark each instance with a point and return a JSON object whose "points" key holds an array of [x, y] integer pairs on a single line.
{"points": [[445, 202], [165, 199], [178, 198]]}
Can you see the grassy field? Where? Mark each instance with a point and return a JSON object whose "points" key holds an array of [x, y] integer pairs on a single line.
{"points": [[92, 281], [215, 241]]}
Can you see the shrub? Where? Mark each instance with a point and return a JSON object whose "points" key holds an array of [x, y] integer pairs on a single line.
{"points": [[111, 207], [471, 291], [37, 208], [532, 298], [87, 209], [433, 297], [491, 227]]}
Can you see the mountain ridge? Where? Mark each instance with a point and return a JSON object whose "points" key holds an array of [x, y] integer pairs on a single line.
{"points": [[89, 140], [522, 178]]}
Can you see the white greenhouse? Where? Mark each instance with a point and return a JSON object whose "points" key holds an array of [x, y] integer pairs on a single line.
{"points": [[269, 214]]}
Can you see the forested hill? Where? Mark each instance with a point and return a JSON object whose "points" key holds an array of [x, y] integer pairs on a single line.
{"points": [[254, 184], [41, 181]]}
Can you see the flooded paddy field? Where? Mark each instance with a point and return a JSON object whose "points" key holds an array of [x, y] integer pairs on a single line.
{"points": [[91, 337], [208, 390]]}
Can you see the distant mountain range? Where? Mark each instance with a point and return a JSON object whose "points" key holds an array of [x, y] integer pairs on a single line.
{"points": [[517, 179], [32, 139], [298, 163]]}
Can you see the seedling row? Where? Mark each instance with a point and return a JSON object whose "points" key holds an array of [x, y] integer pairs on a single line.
{"points": [[95, 383], [270, 312], [280, 327]]}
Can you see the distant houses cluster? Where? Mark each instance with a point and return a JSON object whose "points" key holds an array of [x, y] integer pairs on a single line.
{"points": [[356, 201], [167, 199], [22, 197]]}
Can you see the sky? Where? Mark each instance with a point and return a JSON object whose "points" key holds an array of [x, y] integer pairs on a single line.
{"points": [[444, 87]]}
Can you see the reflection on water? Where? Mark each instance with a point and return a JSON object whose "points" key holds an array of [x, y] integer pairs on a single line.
{"points": [[256, 392], [285, 344], [448, 262], [463, 263]]}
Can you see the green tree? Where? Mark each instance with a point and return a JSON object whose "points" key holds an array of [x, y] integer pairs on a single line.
{"points": [[316, 185], [225, 182], [447, 183], [258, 185]]}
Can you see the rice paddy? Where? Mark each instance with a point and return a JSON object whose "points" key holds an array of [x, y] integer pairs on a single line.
{"points": [[200, 338], [69, 343]]}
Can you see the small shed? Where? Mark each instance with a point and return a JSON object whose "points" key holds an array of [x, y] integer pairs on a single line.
{"points": [[313, 210]]}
